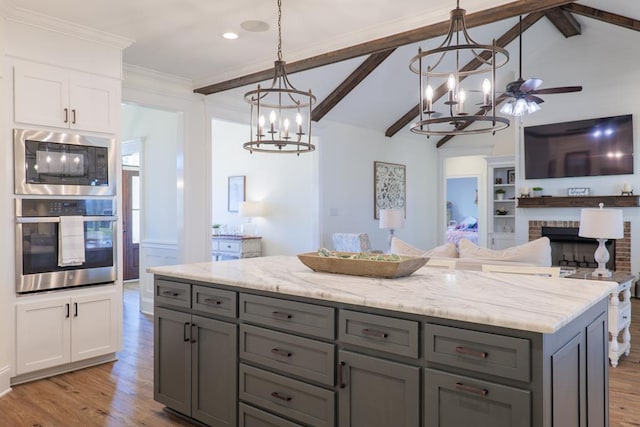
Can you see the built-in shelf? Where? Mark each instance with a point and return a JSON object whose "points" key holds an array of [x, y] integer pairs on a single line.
{"points": [[579, 202]]}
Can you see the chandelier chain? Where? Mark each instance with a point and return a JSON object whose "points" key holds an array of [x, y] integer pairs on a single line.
{"points": [[279, 30]]}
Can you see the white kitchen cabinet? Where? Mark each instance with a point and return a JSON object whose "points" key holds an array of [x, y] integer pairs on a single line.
{"points": [[51, 96], [52, 332]]}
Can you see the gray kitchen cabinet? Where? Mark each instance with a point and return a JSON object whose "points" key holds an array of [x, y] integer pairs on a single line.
{"points": [[195, 366], [268, 359], [375, 392], [455, 400]]}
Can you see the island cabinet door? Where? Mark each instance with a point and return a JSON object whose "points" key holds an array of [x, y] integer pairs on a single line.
{"points": [[375, 392], [172, 359], [214, 372], [454, 400]]}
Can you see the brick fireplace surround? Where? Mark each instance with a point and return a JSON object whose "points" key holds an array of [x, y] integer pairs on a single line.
{"points": [[623, 246]]}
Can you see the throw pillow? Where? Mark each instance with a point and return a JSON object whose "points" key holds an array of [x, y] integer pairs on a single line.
{"points": [[536, 252], [399, 247]]}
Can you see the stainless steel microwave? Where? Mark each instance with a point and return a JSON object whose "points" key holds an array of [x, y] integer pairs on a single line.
{"points": [[51, 163]]}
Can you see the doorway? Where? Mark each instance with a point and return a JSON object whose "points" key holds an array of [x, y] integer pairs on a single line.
{"points": [[462, 209], [131, 152]]}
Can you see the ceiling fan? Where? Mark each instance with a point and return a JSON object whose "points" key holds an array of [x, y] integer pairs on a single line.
{"points": [[523, 92]]}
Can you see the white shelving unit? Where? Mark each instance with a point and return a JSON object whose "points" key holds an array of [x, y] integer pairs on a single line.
{"points": [[501, 226]]}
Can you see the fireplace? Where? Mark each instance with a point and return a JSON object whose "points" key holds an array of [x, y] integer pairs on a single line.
{"points": [[569, 249]]}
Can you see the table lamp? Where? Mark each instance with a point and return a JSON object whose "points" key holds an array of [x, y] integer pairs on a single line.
{"points": [[250, 210], [391, 219], [601, 224]]}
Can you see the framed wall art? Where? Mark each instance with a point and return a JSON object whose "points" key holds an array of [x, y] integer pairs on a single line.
{"points": [[389, 187], [235, 192], [511, 176]]}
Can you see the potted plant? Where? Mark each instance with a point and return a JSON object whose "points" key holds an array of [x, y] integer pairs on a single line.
{"points": [[500, 194], [537, 191], [216, 229]]}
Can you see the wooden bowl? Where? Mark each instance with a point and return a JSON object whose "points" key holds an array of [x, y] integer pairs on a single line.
{"points": [[362, 267]]}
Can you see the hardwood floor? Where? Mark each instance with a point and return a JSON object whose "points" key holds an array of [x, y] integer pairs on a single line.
{"points": [[121, 393]]}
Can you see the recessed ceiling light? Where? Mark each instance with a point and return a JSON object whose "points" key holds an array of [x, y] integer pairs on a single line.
{"points": [[230, 35], [255, 26]]}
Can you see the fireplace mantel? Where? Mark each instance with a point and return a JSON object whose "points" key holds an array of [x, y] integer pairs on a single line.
{"points": [[579, 202]]}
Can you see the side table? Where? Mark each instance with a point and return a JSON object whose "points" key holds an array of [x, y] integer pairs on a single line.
{"points": [[224, 247], [619, 312]]}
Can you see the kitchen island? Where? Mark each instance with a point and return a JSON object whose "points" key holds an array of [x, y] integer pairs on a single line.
{"points": [[267, 341]]}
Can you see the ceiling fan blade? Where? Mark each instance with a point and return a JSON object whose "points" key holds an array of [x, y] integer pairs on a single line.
{"points": [[562, 89], [534, 98], [530, 85]]}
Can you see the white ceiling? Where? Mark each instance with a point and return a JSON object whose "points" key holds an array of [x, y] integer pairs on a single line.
{"points": [[183, 38]]}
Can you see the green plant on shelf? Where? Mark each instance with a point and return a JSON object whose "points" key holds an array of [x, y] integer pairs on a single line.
{"points": [[500, 191]]}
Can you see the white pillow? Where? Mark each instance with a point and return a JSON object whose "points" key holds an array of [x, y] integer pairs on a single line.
{"points": [[536, 252], [399, 247]]}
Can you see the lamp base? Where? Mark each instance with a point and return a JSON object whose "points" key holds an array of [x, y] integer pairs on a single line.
{"points": [[249, 229]]}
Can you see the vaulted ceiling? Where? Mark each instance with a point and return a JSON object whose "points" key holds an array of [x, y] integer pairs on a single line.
{"points": [[346, 51]]}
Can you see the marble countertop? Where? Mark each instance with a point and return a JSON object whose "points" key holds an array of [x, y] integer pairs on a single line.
{"points": [[531, 303]]}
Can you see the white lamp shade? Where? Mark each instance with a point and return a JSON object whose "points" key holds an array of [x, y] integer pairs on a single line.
{"points": [[251, 209], [391, 218], [601, 224]]}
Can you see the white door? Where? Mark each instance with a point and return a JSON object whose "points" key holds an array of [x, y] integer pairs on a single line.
{"points": [[43, 338]]}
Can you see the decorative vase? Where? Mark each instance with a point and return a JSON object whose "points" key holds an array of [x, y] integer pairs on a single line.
{"points": [[500, 196], [537, 193]]}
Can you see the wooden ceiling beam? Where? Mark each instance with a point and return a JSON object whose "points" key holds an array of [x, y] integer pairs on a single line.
{"points": [[601, 15], [350, 83], [483, 17], [503, 41], [564, 21]]}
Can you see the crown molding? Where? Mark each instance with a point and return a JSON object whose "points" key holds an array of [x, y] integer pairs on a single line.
{"points": [[39, 20]]}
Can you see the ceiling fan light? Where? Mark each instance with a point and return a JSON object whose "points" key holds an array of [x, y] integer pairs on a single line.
{"points": [[532, 107], [507, 108]]}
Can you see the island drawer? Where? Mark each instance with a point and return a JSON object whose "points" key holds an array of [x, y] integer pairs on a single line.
{"points": [[172, 293], [302, 402], [248, 416], [214, 301], [458, 400], [288, 315], [397, 336], [488, 353], [304, 357]]}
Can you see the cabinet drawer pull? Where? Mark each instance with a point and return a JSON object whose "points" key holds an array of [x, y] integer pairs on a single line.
{"points": [[228, 246], [374, 333], [469, 352], [170, 293], [73, 115], [341, 370], [281, 316], [193, 333], [212, 301], [281, 397], [75, 309], [66, 310], [471, 389], [185, 336], [279, 352], [66, 115]]}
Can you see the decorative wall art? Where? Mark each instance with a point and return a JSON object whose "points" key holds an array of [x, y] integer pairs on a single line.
{"points": [[235, 193], [511, 176], [389, 187]]}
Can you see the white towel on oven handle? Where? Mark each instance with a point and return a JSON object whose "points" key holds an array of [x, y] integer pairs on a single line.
{"points": [[71, 241]]}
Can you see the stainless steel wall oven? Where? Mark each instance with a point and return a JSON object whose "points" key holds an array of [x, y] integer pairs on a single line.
{"points": [[39, 242], [50, 163]]}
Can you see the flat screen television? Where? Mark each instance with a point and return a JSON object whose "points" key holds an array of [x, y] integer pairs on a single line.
{"points": [[591, 147]]}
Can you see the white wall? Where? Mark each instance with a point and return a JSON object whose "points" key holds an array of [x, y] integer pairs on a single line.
{"points": [[158, 129], [287, 185], [346, 174]]}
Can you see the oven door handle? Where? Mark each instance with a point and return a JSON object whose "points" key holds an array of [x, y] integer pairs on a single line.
{"points": [[35, 219]]}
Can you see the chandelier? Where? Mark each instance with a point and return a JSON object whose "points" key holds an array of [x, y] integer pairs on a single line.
{"points": [[446, 66], [288, 130]]}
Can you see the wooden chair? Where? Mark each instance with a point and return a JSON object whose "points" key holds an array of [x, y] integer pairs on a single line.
{"points": [[449, 264], [522, 269]]}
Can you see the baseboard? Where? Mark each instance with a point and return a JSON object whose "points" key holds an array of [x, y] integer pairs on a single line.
{"points": [[5, 380], [146, 306], [56, 370]]}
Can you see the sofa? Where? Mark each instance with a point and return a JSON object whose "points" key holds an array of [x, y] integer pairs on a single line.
{"points": [[471, 256]]}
